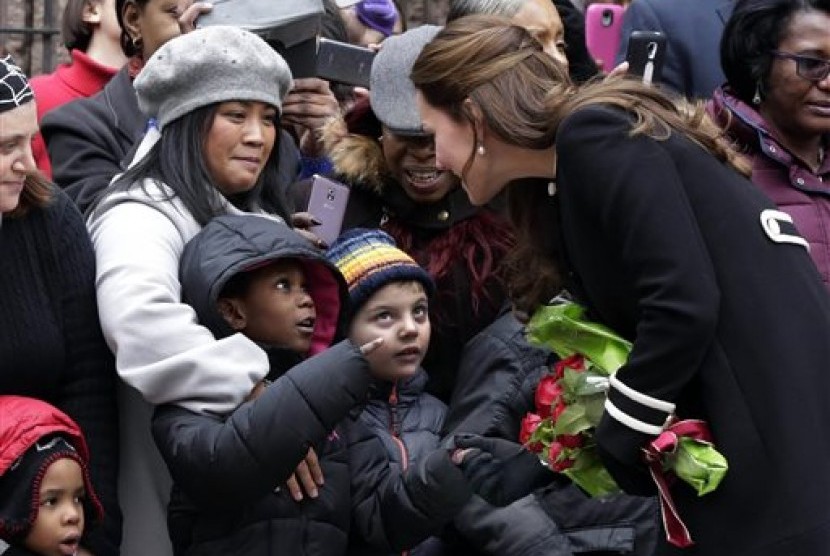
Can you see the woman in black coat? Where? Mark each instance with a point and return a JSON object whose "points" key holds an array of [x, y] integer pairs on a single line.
{"points": [[651, 225], [51, 346]]}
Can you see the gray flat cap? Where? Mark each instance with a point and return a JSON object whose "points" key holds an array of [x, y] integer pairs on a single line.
{"points": [[210, 65], [391, 93]]}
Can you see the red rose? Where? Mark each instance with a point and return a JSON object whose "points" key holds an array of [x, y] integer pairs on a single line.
{"points": [[575, 363], [530, 423], [561, 466], [555, 454], [554, 451], [570, 440], [557, 411], [548, 393]]}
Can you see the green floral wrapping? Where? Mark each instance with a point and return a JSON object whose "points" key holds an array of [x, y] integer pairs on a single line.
{"points": [[570, 404], [698, 463], [563, 329]]}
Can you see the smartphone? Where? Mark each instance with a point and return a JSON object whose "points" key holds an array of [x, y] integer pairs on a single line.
{"points": [[327, 203], [344, 63], [603, 28], [645, 55]]}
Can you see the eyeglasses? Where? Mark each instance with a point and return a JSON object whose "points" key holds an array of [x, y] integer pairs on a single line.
{"points": [[811, 69]]}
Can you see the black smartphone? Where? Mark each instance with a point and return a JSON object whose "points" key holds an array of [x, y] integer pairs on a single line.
{"points": [[646, 54], [344, 63], [327, 204], [289, 26]]}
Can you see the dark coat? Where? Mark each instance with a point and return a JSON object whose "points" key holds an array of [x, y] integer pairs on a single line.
{"points": [[408, 423], [51, 345], [729, 320], [496, 386], [91, 140], [229, 471], [693, 31]]}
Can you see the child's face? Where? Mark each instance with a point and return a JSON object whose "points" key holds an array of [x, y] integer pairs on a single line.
{"points": [[397, 312], [60, 518], [277, 308]]}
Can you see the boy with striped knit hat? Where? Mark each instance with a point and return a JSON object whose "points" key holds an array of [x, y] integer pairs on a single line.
{"points": [[389, 294]]}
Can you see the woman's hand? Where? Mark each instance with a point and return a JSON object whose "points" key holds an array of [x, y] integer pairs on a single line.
{"points": [[618, 71], [307, 477], [190, 12], [311, 107], [301, 222]]}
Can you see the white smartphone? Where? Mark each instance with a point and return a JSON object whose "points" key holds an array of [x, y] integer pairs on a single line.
{"points": [[327, 203]]}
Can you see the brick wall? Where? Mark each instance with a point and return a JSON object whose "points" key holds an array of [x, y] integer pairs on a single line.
{"points": [[39, 54], [34, 53]]}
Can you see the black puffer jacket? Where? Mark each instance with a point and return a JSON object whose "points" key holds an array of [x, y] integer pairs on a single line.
{"points": [[228, 472], [408, 422], [496, 387]]}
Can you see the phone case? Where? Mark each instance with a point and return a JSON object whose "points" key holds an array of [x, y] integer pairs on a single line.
{"points": [[645, 55], [327, 203], [344, 63], [603, 27]]}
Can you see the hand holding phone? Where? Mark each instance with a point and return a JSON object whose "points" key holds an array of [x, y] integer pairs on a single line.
{"points": [[344, 63], [645, 55], [327, 203]]}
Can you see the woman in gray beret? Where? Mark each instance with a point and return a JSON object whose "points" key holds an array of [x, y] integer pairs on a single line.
{"points": [[215, 95]]}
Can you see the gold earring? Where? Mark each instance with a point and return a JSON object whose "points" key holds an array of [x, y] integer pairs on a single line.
{"points": [[480, 150]]}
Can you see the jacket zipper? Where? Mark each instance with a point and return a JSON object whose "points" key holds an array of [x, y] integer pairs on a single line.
{"points": [[395, 429]]}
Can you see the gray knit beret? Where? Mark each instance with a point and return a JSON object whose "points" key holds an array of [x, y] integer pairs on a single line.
{"points": [[391, 92], [210, 65]]}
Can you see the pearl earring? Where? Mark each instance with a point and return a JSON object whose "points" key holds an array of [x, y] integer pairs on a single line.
{"points": [[480, 150]]}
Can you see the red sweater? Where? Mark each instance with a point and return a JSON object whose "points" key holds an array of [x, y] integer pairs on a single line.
{"points": [[82, 78]]}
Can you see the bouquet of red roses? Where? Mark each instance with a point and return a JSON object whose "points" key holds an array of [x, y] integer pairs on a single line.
{"points": [[570, 401]]}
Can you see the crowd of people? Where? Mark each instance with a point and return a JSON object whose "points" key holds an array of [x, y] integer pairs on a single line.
{"points": [[186, 368]]}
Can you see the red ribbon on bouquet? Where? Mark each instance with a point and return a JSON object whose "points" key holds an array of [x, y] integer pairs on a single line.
{"points": [[666, 443]]}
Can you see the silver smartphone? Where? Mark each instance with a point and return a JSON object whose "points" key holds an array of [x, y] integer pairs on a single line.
{"points": [[344, 63], [327, 203]]}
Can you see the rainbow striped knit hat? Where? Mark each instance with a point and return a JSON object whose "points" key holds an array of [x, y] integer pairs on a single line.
{"points": [[368, 260]]}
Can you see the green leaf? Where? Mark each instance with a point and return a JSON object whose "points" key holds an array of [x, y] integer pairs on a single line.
{"points": [[594, 407], [591, 476], [571, 421]]}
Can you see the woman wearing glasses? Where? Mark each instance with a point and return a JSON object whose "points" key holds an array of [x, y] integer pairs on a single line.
{"points": [[776, 107]]}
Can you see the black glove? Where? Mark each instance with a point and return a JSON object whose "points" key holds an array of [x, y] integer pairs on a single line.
{"points": [[436, 485], [632, 479], [500, 471], [621, 451]]}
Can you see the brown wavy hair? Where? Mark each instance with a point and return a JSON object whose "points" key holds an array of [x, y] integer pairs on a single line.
{"points": [[37, 192], [523, 96]]}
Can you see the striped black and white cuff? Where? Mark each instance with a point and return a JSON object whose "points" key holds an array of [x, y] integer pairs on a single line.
{"points": [[636, 410]]}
